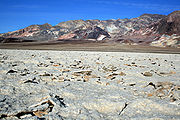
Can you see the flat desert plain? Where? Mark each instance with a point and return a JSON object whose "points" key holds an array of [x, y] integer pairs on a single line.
{"points": [[89, 46], [82, 85]]}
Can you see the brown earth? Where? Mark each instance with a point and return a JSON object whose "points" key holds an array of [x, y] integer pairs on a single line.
{"points": [[89, 46]]}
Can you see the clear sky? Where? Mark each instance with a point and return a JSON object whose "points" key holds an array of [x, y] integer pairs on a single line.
{"points": [[17, 14]]}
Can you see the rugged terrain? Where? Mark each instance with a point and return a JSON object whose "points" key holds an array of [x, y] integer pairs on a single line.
{"points": [[58, 85], [148, 29]]}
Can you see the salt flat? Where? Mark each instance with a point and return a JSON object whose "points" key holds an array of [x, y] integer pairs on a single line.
{"points": [[55, 85]]}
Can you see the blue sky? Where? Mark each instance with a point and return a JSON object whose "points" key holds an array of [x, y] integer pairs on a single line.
{"points": [[17, 14]]}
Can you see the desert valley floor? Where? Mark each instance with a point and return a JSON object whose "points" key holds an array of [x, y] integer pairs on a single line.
{"points": [[89, 46], [82, 85]]}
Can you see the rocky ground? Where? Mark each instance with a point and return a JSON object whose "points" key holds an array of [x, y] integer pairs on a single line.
{"points": [[89, 85]]}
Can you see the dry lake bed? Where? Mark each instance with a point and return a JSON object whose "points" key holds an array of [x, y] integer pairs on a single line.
{"points": [[79, 85]]}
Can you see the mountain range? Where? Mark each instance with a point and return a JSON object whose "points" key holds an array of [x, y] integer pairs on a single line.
{"points": [[147, 29]]}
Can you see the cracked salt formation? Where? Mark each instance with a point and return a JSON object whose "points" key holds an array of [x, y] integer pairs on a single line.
{"points": [[88, 85]]}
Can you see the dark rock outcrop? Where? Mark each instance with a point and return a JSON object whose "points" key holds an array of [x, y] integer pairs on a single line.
{"points": [[14, 40], [90, 33], [170, 25]]}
